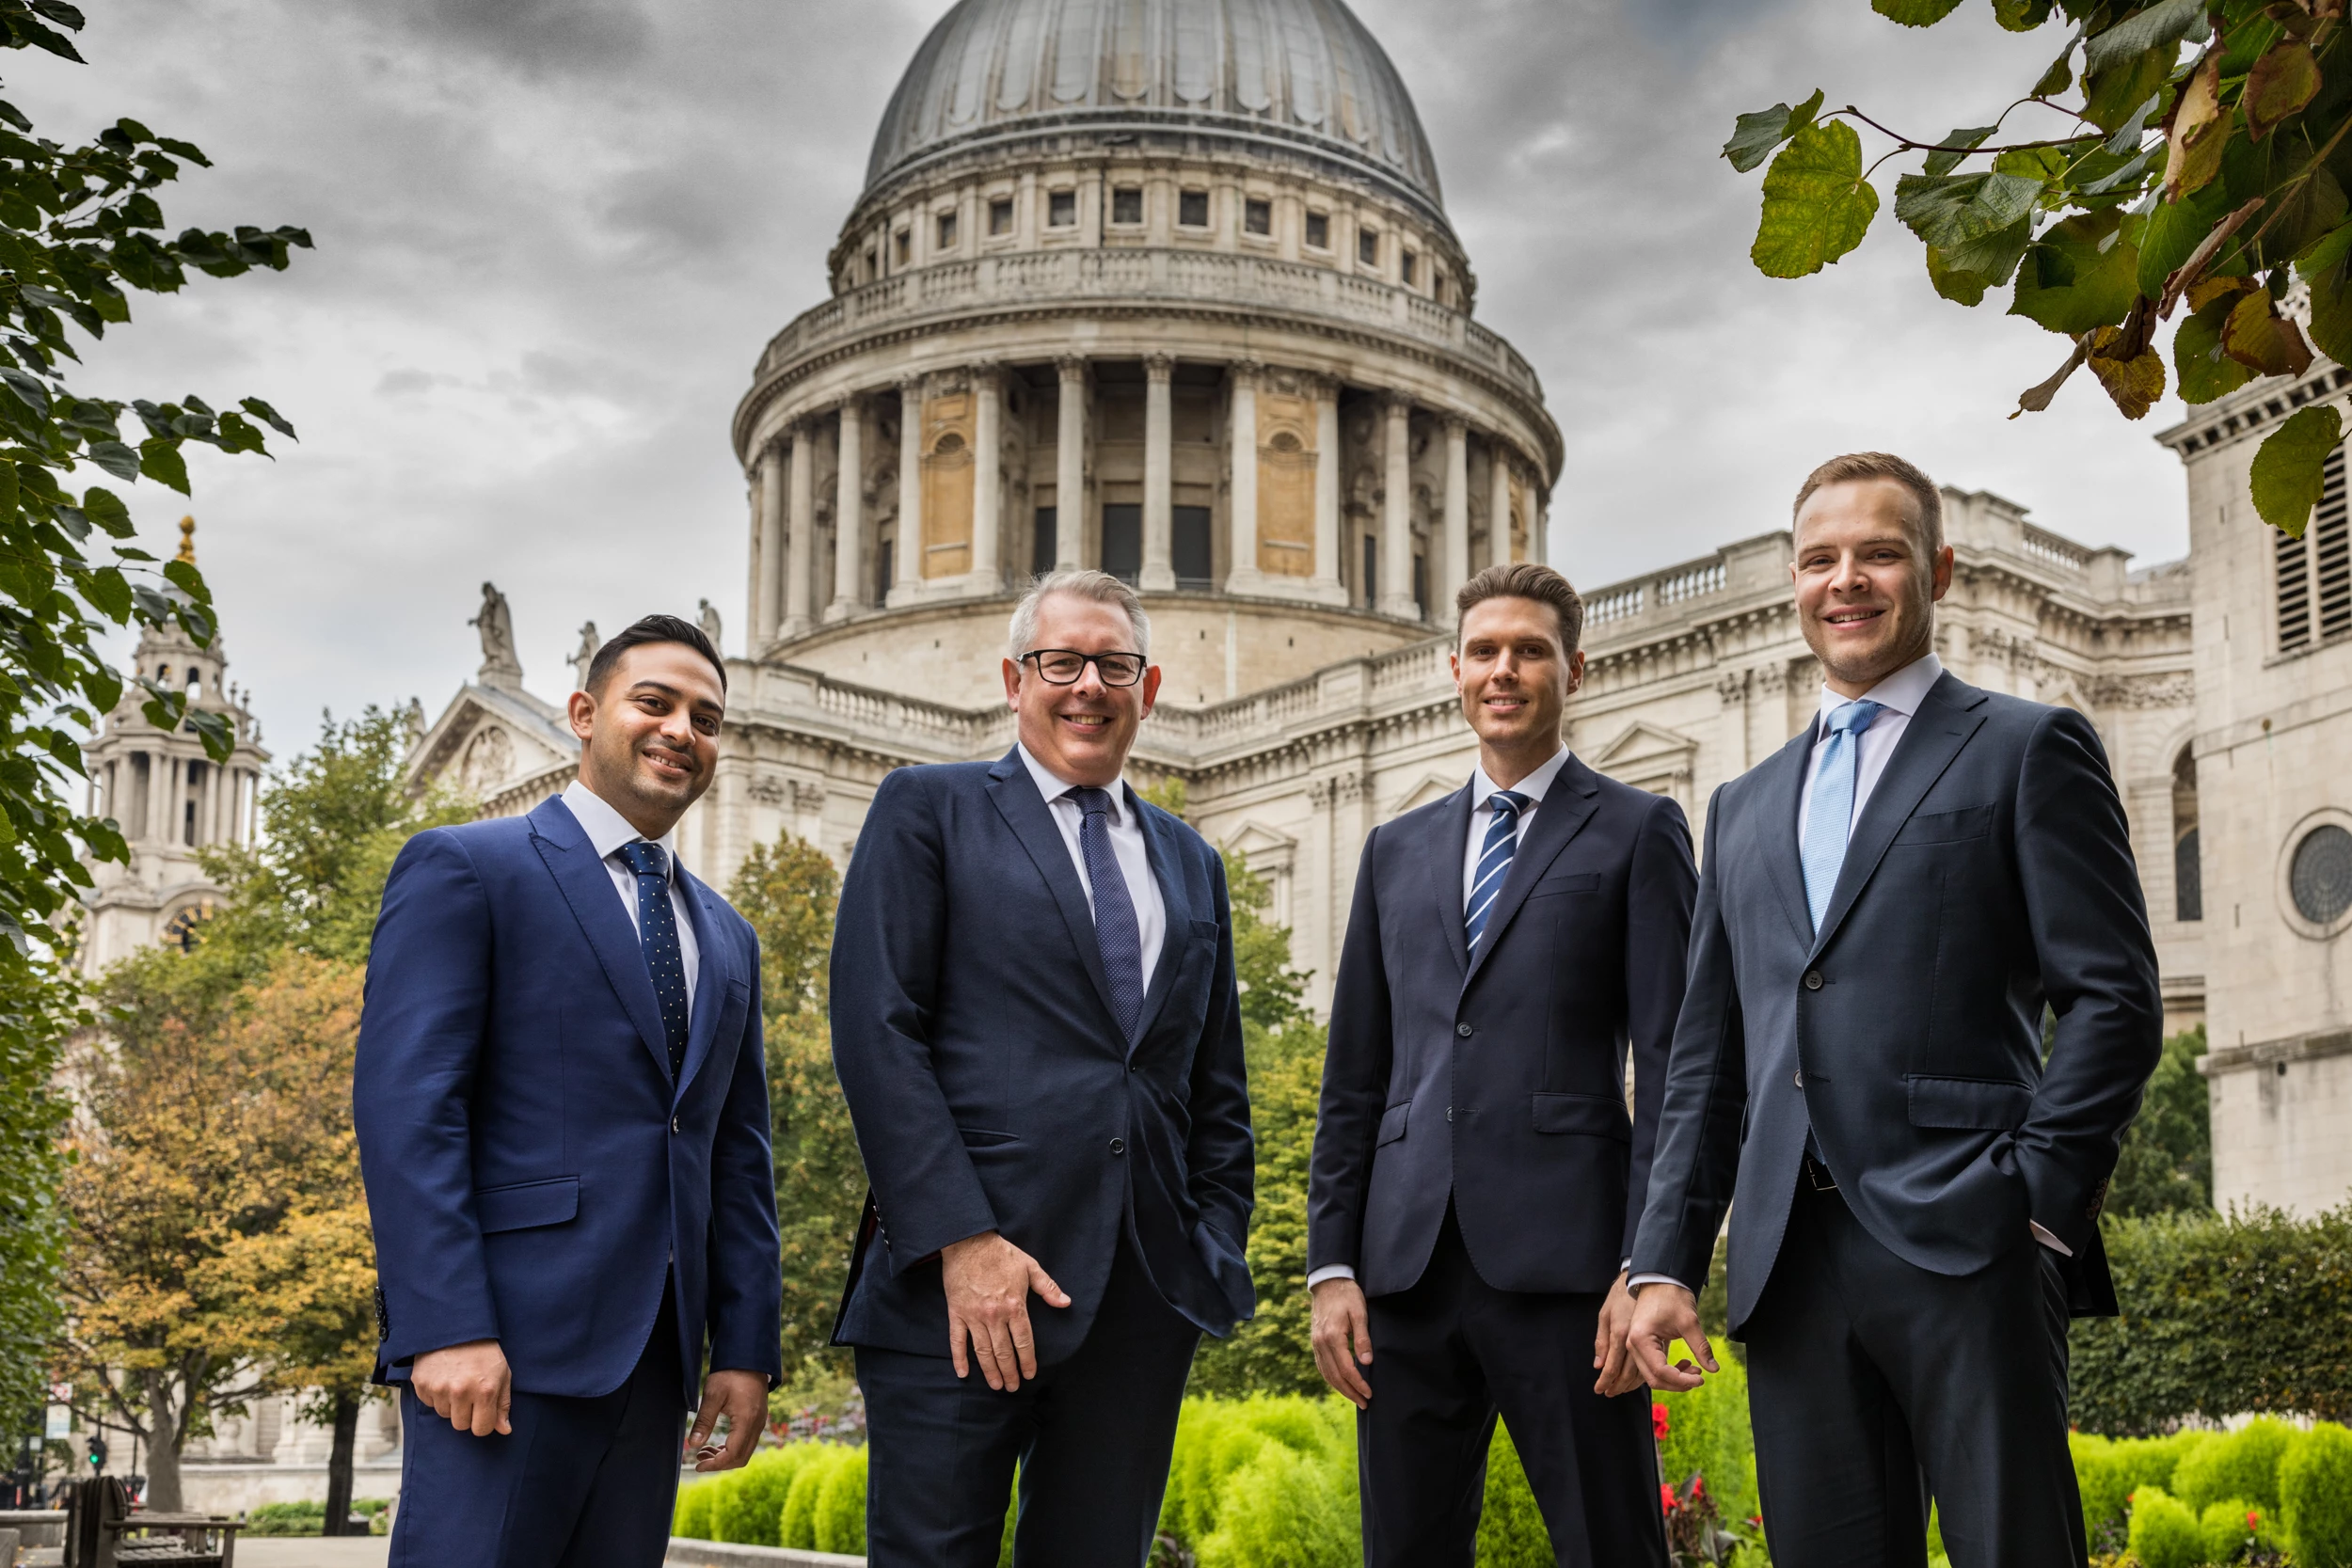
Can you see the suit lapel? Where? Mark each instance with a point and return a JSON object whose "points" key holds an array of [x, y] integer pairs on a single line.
{"points": [[1932, 738], [1445, 874], [710, 994], [1159, 837], [1781, 782], [587, 887], [1023, 808], [1567, 805]]}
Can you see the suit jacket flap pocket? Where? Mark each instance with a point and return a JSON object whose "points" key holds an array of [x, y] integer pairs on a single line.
{"points": [[1947, 827], [1392, 1123], [527, 1203], [1598, 1115], [1574, 882], [982, 1137], [1991, 1104]]}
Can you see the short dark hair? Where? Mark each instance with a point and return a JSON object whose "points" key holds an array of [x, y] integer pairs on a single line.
{"points": [[653, 628], [1525, 579], [1926, 499]]}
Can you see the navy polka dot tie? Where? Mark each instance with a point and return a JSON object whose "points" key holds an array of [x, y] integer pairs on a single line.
{"points": [[657, 926], [1115, 929]]}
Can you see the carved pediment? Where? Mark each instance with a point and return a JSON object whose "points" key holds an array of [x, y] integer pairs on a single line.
{"points": [[1648, 756], [1432, 787], [489, 739], [1264, 849]]}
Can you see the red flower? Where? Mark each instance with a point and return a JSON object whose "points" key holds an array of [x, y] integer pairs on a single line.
{"points": [[1666, 1503], [2254, 1520], [1698, 1487], [1658, 1421]]}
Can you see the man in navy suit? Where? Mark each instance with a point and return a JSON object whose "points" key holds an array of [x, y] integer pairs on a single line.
{"points": [[1036, 1022], [562, 1120], [1476, 1178], [1889, 906]]}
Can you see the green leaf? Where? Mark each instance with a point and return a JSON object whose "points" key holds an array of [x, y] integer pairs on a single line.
{"points": [[105, 509], [221, 741], [2022, 16], [1914, 13], [2159, 27], [2059, 76], [2175, 230], [2080, 285], [2128, 135], [98, 682], [115, 458], [1963, 274], [1817, 206], [1955, 147], [270, 417], [2289, 469], [190, 582], [160, 460], [1753, 137], [2256, 335], [110, 592], [2205, 371], [1956, 209], [2280, 84], [2113, 94]]}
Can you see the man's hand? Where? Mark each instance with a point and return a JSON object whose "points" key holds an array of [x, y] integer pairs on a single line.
{"points": [[1343, 1339], [989, 1281], [742, 1398], [467, 1385], [1662, 1313], [1611, 1358]]}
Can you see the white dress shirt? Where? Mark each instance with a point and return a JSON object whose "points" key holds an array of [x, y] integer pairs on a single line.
{"points": [[1481, 817], [606, 830], [1127, 844]]}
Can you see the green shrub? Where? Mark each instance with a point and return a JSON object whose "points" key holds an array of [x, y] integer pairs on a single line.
{"points": [[2108, 1470], [2315, 1497], [2241, 1464], [839, 1524], [298, 1518], [693, 1519], [1283, 1507], [749, 1502], [2165, 1534], [809, 1483], [2231, 1526], [1511, 1530], [1215, 1439], [1708, 1434]]}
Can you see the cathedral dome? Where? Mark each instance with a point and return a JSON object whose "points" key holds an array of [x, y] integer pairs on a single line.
{"points": [[1299, 73]]}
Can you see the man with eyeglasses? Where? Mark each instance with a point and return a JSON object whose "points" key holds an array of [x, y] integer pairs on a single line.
{"points": [[1036, 1024]]}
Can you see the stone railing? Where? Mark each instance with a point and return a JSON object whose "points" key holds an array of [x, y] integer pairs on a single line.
{"points": [[2052, 550], [1167, 276], [1620, 602]]}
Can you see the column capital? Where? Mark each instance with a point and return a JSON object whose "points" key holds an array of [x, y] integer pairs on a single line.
{"points": [[1071, 366], [1322, 388], [983, 372], [913, 385], [1159, 367], [1395, 401], [1456, 425], [1245, 370]]}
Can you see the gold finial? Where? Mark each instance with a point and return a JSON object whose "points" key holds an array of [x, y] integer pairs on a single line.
{"points": [[187, 541]]}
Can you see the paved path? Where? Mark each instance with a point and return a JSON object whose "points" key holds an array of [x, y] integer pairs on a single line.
{"points": [[295, 1551]]}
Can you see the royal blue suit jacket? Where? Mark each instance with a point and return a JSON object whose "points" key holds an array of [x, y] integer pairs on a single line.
{"points": [[1989, 876], [1499, 1080], [533, 1173], [989, 1082]]}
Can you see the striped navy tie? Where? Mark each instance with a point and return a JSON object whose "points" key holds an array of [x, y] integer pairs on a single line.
{"points": [[1494, 862]]}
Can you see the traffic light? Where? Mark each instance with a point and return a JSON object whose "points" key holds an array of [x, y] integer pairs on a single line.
{"points": [[97, 1453]]}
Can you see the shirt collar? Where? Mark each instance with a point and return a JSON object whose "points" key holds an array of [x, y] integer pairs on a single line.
{"points": [[1532, 787], [1903, 690], [606, 829], [1054, 787]]}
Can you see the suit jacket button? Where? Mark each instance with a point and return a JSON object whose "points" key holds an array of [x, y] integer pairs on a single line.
{"points": [[1813, 979], [1463, 1030], [1798, 1078], [673, 1126], [1119, 1145], [1449, 1113]]}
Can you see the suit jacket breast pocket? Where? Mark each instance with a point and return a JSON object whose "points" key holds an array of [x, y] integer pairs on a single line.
{"points": [[1947, 826], [1571, 882], [1980, 1104]]}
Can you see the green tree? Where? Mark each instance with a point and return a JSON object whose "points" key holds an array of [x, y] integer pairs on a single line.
{"points": [[2167, 1160], [2134, 182], [79, 226]]}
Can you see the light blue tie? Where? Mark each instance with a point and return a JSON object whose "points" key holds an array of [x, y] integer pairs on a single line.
{"points": [[1494, 862], [1831, 820]]}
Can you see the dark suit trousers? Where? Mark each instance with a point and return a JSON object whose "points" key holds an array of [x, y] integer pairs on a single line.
{"points": [[1874, 1383], [1092, 1436], [1448, 1355], [578, 1484]]}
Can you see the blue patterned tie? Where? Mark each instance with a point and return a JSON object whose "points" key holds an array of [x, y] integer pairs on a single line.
{"points": [[657, 926], [1115, 931], [1494, 862], [1830, 822]]}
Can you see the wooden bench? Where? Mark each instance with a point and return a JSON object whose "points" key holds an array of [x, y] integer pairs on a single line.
{"points": [[102, 1531]]}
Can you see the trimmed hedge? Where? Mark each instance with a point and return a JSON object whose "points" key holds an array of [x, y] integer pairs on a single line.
{"points": [[2221, 1316], [807, 1495], [2200, 1497]]}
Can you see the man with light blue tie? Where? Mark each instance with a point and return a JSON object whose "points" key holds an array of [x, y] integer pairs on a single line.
{"points": [[1885, 911]]}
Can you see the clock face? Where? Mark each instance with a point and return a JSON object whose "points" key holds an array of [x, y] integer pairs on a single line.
{"points": [[182, 930]]}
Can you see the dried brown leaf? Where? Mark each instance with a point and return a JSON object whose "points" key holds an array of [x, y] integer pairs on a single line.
{"points": [[2265, 342], [2134, 384], [2199, 131], [2034, 399], [2191, 270]]}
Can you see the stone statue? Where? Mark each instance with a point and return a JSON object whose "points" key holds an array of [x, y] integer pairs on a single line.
{"points": [[709, 618], [500, 664], [585, 654], [412, 721]]}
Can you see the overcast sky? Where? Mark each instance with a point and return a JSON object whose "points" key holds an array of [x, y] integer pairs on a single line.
{"points": [[553, 235]]}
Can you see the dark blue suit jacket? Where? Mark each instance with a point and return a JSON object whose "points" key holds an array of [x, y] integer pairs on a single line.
{"points": [[1499, 1081], [986, 1074], [1988, 873], [532, 1171]]}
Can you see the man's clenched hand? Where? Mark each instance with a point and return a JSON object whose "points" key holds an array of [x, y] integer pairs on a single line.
{"points": [[989, 1281], [468, 1386]]}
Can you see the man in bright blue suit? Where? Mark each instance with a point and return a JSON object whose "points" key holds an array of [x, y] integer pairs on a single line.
{"points": [[1036, 1022], [563, 1118]]}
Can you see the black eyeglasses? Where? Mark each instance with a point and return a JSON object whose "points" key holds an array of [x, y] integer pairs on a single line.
{"points": [[1063, 665]]}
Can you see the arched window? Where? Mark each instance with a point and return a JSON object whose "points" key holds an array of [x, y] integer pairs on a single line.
{"points": [[2189, 893]]}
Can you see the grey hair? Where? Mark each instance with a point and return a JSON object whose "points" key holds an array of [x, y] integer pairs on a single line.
{"points": [[1082, 583]]}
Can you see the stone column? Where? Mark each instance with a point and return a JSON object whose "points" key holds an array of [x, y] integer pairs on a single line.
{"points": [[1457, 558], [909, 560], [1732, 686], [849, 513], [770, 584], [1396, 515], [754, 570], [1069, 465], [1499, 509], [798, 589], [1159, 475], [988, 443], [1539, 531], [208, 808], [1242, 574], [1328, 586]]}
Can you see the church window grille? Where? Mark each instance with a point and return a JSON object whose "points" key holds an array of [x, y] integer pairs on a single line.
{"points": [[872, 271], [1408, 265], [1319, 230], [1192, 543], [1257, 216], [1123, 541], [1127, 204], [2314, 573], [2188, 887], [946, 230], [1000, 216], [903, 247], [2319, 874], [1044, 540], [1192, 209], [1372, 571], [1061, 208], [1368, 246]]}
